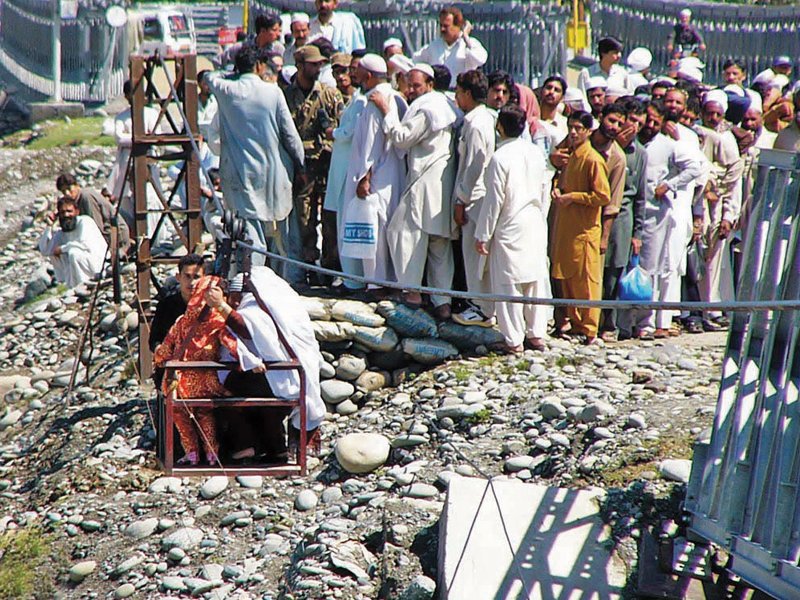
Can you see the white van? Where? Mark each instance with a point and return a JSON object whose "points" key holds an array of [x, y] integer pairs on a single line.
{"points": [[169, 32]]}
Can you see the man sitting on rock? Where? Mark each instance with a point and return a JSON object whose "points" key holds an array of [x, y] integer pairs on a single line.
{"points": [[93, 204], [77, 249]]}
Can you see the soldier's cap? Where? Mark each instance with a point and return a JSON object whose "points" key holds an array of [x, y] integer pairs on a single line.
{"points": [[340, 59], [782, 61], [310, 54]]}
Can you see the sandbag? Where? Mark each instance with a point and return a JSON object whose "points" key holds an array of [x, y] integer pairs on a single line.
{"points": [[408, 322], [429, 351], [317, 309], [326, 331], [469, 338], [357, 313], [377, 339]]}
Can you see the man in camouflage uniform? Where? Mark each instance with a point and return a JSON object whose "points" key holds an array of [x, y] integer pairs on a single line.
{"points": [[315, 109]]}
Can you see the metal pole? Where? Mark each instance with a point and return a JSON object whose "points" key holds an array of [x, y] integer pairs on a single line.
{"points": [[246, 17], [56, 51]]}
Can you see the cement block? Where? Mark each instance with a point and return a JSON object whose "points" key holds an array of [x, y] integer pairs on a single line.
{"points": [[41, 111], [562, 548]]}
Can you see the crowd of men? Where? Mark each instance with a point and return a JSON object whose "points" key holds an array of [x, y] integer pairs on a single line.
{"points": [[423, 168]]}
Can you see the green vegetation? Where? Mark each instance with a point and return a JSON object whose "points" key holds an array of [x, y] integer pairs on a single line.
{"points": [[86, 131], [461, 373], [630, 466], [53, 292], [22, 552], [482, 416]]}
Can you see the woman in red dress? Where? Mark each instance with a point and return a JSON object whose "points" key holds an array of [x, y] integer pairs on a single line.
{"points": [[196, 336]]}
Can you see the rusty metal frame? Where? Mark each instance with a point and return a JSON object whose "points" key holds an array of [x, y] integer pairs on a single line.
{"points": [[168, 132], [170, 402]]}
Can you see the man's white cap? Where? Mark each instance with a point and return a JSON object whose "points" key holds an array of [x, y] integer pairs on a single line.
{"points": [[374, 64], [718, 96], [237, 283], [574, 96], [691, 61], [392, 42], [692, 74], [423, 68], [616, 90], [685, 13], [734, 89], [596, 82], [401, 63], [299, 17], [640, 59]]}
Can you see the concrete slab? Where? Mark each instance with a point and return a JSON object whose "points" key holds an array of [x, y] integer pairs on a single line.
{"points": [[41, 111], [562, 549]]}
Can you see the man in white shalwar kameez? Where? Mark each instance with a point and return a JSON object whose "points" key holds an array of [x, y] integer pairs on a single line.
{"points": [[475, 149], [77, 249], [511, 230], [287, 310], [376, 171], [337, 174], [420, 230], [672, 167]]}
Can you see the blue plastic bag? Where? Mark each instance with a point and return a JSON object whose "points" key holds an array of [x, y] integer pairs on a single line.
{"points": [[635, 284]]}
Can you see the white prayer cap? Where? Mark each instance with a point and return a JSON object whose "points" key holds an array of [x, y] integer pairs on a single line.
{"points": [[691, 61], [686, 13], [596, 82], [616, 90], [718, 96], [374, 64], [423, 68], [392, 42], [575, 98], [299, 17], [401, 63], [692, 74], [237, 283], [766, 76], [640, 59], [734, 89]]}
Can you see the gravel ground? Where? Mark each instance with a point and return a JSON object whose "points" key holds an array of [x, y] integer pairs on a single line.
{"points": [[80, 471]]}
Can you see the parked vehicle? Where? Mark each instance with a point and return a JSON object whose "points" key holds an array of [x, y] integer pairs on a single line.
{"points": [[169, 32]]}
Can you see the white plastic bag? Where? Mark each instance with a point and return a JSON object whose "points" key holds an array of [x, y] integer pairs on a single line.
{"points": [[360, 228]]}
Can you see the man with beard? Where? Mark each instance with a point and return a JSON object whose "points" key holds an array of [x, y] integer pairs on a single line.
{"points": [[454, 48], [340, 158], [596, 94], [551, 129], [759, 139], [603, 140], [299, 26], [376, 172], [626, 233], [315, 108], [77, 250], [343, 29], [420, 230], [716, 215], [578, 199], [671, 167]]}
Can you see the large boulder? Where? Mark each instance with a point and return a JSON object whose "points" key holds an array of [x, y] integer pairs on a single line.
{"points": [[362, 452]]}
